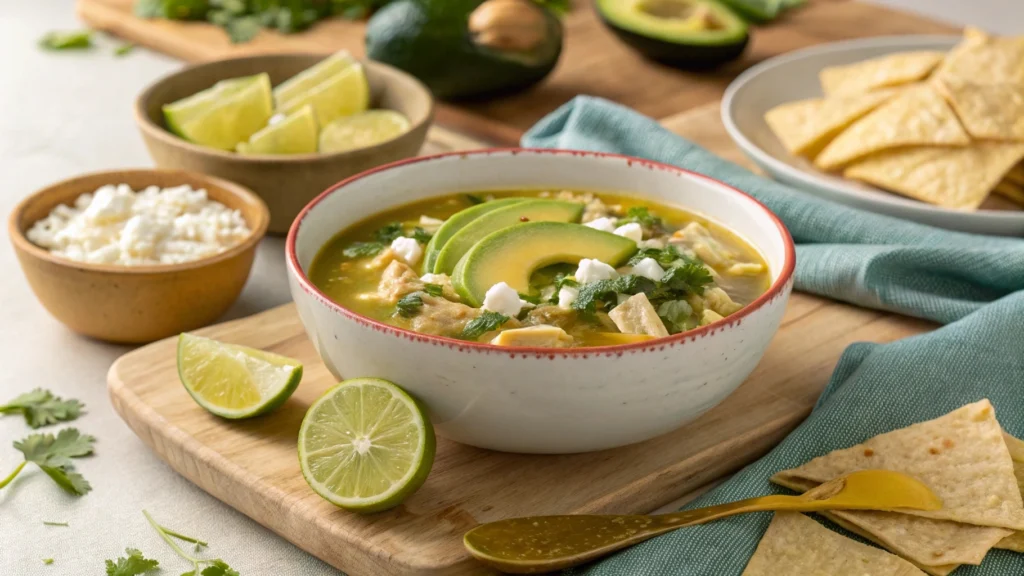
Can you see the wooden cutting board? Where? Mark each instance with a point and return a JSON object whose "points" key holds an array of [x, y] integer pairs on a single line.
{"points": [[252, 465], [593, 62]]}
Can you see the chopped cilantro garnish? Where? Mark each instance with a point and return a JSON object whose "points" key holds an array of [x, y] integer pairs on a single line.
{"points": [[433, 289], [642, 215], [421, 235], [409, 305], [474, 199], [664, 256], [132, 565], [53, 455], [362, 249], [676, 315], [604, 291], [688, 276], [389, 232], [41, 408], [486, 322]]}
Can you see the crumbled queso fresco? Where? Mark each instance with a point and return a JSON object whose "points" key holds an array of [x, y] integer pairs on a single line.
{"points": [[115, 225]]}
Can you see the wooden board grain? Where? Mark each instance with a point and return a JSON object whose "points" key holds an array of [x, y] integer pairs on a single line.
{"points": [[593, 62], [252, 465]]}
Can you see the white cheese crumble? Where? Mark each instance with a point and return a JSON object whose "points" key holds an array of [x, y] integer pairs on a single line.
{"points": [[503, 299], [566, 296], [649, 268], [408, 250], [115, 225], [602, 224], [594, 270], [633, 231], [434, 278]]}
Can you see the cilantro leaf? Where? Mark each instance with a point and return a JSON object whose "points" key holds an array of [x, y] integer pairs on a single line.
{"points": [[664, 256], [642, 216], [77, 40], [409, 305], [690, 276], [218, 568], [474, 199], [421, 235], [677, 315], [605, 291], [132, 565], [433, 289], [486, 322], [388, 233], [41, 408], [47, 561], [65, 476], [53, 456], [362, 249], [124, 49]]}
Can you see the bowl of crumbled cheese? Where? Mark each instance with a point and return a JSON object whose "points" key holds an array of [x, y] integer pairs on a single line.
{"points": [[137, 255]]}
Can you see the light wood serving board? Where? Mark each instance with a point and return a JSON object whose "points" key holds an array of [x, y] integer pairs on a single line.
{"points": [[593, 61], [252, 465]]}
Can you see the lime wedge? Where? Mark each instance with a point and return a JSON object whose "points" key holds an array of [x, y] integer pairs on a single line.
{"points": [[232, 118], [366, 445], [343, 94], [312, 76], [362, 130], [295, 134], [177, 113], [235, 381]]}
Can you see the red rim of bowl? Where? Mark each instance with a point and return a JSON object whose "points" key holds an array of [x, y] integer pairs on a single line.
{"points": [[773, 291]]}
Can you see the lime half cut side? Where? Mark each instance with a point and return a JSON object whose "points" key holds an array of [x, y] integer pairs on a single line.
{"points": [[366, 445], [233, 118], [309, 78], [362, 130], [235, 381]]}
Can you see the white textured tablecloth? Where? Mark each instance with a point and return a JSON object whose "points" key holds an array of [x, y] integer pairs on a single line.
{"points": [[62, 114]]}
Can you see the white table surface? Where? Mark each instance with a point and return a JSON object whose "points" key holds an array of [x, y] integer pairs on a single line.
{"points": [[67, 113]]}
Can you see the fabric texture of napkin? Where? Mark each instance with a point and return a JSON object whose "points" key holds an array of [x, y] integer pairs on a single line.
{"points": [[967, 281]]}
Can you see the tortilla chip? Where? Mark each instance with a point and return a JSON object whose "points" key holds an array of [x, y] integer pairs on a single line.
{"points": [[796, 544], [955, 178], [891, 70], [961, 456], [806, 126], [987, 111], [918, 116], [985, 59], [935, 546], [1015, 541]]}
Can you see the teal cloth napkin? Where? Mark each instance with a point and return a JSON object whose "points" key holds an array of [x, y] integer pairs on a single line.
{"points": [[968, 281]]}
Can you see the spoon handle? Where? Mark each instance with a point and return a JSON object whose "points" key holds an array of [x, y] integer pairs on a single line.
{"points": [[763, 503]]}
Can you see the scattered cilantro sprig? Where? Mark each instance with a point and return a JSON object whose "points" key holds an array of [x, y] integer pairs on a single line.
{"points": [[606, 291], [41, 408], [53, 455], [75, 40], [642, 216], [382, 238], [433, 289], [482, 324], [131, 565], [421, 235], [61, 524], [409, 305], [215, 567]]}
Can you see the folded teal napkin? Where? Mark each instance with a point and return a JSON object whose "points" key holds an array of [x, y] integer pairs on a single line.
{"points": [[843, 253], [863, 258]]}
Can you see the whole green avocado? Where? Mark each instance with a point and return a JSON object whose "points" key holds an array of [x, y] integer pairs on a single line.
{"points": [[467, 48]]}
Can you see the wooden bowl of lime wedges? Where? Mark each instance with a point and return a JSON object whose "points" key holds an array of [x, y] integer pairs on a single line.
{"points": [[286, 126]]}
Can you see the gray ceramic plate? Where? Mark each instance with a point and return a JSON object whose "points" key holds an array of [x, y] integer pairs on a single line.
{"points": [[794, 76]]}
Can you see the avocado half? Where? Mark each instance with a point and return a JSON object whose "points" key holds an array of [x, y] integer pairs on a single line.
{"points": [[467, 48], [689, 34]]}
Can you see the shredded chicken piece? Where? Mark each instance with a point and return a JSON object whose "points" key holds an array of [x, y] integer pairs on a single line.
{"points": [[718, 300], [383, 259], [745, 269], [397, 280], [699, 239], [553, 315], [637, 316], [709, 317], [445, 282], [542, 336], [442, 317]]}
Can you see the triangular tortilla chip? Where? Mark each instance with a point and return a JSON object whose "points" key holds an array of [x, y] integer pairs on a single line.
{"points": [[918, 116], [890, 70], [961, 456], [985, 59], [955, 178], [1015, 541], [987, 111], [935, 546], [796, 544], [806, 126]]}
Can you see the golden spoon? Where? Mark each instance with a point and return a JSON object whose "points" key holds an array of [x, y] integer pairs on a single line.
{"points": [[546, 543]]}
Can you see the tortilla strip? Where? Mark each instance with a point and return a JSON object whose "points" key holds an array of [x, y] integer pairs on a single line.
{"points": [[918, 116], [806, 126], [955, 178], [796, 544], [987, 111], [961, 456], [935, 546], [890, 70], [984, 59]]}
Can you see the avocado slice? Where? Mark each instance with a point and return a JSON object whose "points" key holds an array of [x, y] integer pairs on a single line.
{"points": [[690, 34], [457, 222], [467, 48], [530, 211], [512, 254]]}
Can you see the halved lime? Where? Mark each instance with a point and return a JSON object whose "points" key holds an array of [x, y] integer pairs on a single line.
{"points": [[295, 134], [366, 445], [235, 381], [362, 130], [343, 94], [177, 113], [310, 77], [230, 119]]}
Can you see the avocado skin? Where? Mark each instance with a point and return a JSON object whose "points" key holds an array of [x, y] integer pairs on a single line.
{"points": [[679, 55], [430, 40]]}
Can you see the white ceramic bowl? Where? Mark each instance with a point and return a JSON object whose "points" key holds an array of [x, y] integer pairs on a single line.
{"points": [[794, 76], [533, 399]]}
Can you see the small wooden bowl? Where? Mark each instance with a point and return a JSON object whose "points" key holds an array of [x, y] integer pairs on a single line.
{"points": [[136, 304], [285, 182]]}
